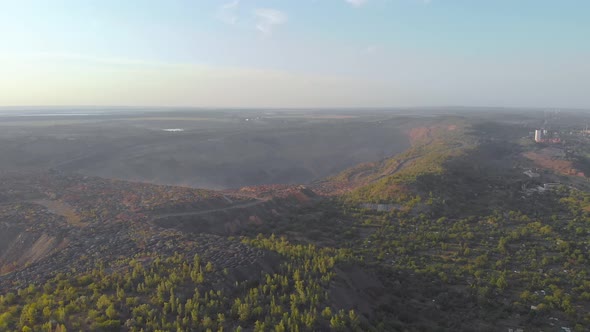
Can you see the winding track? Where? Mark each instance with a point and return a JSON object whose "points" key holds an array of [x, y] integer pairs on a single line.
{"points": [[202, 212]]}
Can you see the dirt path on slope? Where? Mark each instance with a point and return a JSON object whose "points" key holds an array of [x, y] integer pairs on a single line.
{"points": [[202, 212]]}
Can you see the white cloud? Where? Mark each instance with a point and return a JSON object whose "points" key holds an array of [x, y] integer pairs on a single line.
{"points": [[228, 12], [267, 19], [357, 3]]}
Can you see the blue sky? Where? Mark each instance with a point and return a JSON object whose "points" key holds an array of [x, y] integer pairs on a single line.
{"points": [[304, 53]]}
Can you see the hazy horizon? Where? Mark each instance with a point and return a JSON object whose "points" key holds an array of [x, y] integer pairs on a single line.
{"points": [[74, 108]]}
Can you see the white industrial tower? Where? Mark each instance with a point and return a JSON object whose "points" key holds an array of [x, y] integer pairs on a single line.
{"points": [[538, 135]]}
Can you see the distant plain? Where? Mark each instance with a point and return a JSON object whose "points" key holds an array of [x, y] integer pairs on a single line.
{"points": [[216, 149]]}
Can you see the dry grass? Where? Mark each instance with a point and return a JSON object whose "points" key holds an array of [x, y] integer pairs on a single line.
{"points": [[558, 165]]}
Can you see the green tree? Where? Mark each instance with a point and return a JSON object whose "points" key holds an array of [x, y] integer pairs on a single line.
{"points": [[103, 302], [111, 312], [501, 282]]}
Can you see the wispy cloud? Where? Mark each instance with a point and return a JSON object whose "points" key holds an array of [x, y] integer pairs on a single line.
{"points": [[357, 3], [228, 12], [371, 49], [267, 19], [75, 58]]}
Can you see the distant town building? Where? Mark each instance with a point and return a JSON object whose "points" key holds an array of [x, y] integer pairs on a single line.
{"points": [[543, 136]]}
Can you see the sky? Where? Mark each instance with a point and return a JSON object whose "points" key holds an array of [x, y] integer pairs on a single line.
{"points": [[295, 53]]}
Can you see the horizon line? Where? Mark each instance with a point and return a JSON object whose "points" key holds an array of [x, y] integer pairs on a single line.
{"points": [[287, 108]]}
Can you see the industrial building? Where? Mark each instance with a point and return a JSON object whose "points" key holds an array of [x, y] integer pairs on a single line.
{"points": [[538, 135]]}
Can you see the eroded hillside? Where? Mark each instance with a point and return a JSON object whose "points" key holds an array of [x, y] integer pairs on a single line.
{"points": [[460, 232]]}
